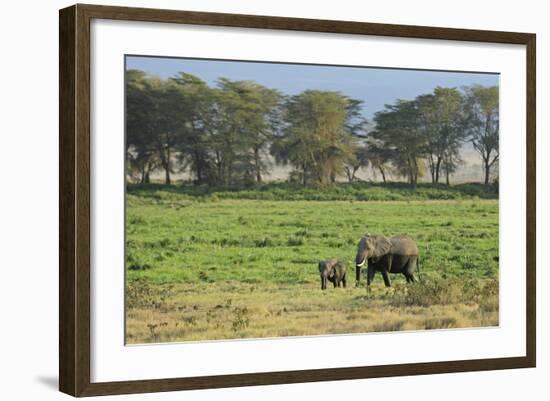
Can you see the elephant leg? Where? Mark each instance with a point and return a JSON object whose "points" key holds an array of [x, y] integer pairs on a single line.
{"points": [[335, 282], [409, 270], [357, 276], [370, 274], [386, 270], [386, 277], [407, 277], [344, 281]]}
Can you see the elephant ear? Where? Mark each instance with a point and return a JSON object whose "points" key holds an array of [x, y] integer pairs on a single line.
{"points": [[380, 245]]}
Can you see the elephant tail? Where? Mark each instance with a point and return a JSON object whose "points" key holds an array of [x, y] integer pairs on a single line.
{"points": [[418, 266]]}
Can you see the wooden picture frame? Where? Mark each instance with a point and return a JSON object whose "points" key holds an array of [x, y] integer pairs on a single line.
{"points": [[74, 204]]}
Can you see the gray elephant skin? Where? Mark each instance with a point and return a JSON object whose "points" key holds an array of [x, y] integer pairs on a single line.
{"points": [[397, 254], [333, 270]]}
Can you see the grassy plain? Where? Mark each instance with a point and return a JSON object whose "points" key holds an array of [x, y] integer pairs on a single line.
{"points": [[213, 264]]}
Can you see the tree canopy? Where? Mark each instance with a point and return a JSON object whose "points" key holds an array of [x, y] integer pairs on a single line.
{"points": [[235, 132], [318, 136]]}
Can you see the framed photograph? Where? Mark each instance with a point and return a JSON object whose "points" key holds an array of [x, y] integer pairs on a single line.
{"points": [[249, 200]]}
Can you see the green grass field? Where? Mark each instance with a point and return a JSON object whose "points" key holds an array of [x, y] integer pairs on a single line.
{"points": [[205, 265]]}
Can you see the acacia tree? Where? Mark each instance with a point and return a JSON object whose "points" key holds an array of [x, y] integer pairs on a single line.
{"points": [[398, 132], [482, 109], [442, 119], [318, 137], [169, 127], [247, 118], [261, 106], [140, 134], [195, 116]]}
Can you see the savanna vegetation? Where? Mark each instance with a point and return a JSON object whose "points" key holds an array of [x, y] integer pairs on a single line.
{"points": [[237, 132], [213, 265], [227, 253]]}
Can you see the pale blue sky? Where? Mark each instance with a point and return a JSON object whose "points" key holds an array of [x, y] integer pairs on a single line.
{"points": [[374, 86]]}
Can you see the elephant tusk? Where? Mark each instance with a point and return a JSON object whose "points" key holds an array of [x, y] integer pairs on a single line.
{"points": [[362, 263]]}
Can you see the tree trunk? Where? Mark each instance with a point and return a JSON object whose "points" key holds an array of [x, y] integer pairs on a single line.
{"points": [[487, 171], [219, 167], [414, 173], [410, 170], [229, 178], [432, 167], [437, 169], [322, 178], [383, 174], [199, 174], [164, 152], [349, 174], [147, 177], [167, 179], [198, 167], [257, 165], [142, 180]]}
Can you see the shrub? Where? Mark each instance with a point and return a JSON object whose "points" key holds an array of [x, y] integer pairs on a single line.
{"points": [[134, 263], [241, 318], [139, 266], [445, 291], [263, 242], [181, 196], [140, 293], [164, 242], [295, 241]]}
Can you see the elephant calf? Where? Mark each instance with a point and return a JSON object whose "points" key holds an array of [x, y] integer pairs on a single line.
{"points": [[397, 254], [333, 270]]}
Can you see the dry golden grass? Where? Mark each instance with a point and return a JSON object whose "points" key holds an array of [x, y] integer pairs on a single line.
{"points": [[192, 312]]}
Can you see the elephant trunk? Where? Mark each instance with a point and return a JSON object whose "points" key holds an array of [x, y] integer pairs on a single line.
{"points": [[360, 259]]}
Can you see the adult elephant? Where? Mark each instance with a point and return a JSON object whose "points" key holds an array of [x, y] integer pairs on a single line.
{"points": [[397, 254]]}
